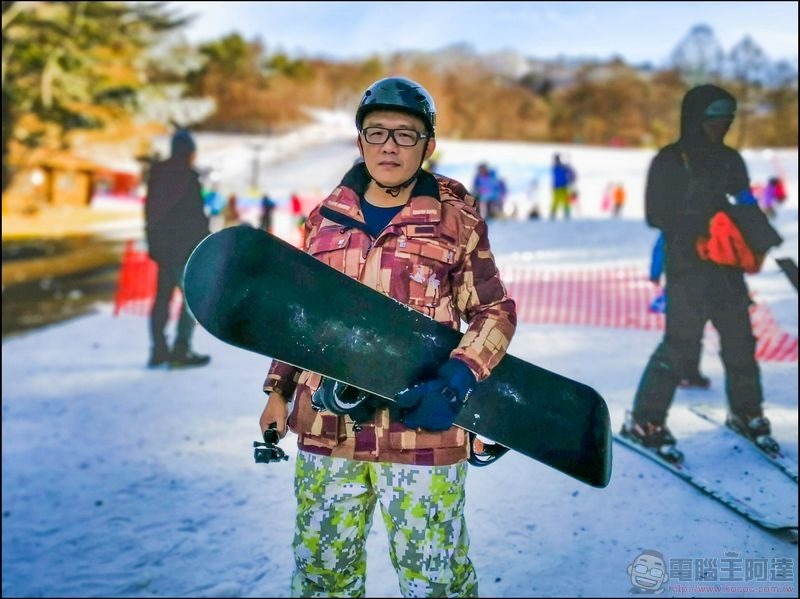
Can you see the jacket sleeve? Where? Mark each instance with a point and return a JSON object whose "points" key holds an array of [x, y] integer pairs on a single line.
{"points": [[481, 298], [738, 179], [282, 378]]}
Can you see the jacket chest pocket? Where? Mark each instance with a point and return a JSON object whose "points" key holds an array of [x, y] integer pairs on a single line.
{"points": [[330, 246], [422, 271]]}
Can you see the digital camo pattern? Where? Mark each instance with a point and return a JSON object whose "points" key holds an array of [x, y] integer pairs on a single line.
{"points": [[433, 256], [422, 508]]}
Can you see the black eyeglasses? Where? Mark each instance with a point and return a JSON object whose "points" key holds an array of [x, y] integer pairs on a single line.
{"points": [[402, 137]]}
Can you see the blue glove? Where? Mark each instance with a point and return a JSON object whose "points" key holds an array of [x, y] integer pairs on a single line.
{"points": [[746, 198], [435, 404]]}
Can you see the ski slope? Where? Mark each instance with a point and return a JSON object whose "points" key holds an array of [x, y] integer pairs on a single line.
{"points": [[120, 481]]}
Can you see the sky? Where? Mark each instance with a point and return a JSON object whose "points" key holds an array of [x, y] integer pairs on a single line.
{"points": [[119, 481], [637, 31]]}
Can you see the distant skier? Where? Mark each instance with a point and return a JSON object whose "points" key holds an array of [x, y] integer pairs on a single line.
{"points": [[231, 212], [688, 183], [772, 195], [267, 208], [489, 190], [563, 178], [214, 204], [618, 199], [532, 208]]}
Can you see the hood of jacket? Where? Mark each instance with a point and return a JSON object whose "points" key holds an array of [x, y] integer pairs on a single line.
{"points": [[693, 107], [703, 156]]}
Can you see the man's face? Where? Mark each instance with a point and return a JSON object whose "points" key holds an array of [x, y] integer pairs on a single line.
{"points": [[389, 162], [716, 129]]}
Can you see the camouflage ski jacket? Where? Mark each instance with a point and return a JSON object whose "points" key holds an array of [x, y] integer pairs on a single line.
{"points": [[433, 256]]}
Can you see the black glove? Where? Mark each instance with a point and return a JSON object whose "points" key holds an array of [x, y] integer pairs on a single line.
{"points": [[434, 405]]}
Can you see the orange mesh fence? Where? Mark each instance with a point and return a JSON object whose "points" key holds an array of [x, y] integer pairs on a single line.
{"points": [[136, 288]]}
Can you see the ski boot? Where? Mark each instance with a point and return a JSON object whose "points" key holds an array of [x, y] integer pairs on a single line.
{"points": [[695, 381], [653, 436], [755, 428], [183, 357], [159, 356]]}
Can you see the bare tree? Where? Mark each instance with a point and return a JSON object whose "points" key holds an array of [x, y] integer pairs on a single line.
{"points": [[698, 56], [749, 68]]}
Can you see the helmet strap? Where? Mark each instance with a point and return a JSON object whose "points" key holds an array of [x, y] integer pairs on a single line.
{"points": [[394, 190]]}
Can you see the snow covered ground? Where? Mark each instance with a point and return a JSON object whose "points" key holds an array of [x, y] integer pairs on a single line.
{"points": [[120, 481]]}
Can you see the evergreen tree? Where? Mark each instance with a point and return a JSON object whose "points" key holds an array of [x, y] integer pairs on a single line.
{"points": [[73, 65]]}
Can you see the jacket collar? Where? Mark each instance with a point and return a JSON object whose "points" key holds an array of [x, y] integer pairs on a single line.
{"points": [[343, 206]]}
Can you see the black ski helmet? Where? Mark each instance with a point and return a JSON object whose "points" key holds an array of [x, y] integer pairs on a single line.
{"points": [[398, 93]]}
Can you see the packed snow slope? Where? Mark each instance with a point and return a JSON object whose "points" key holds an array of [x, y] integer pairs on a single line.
{"points": [[122, 481]]}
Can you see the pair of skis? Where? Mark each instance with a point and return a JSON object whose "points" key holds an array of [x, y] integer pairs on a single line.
{"points": [[715, 490]]}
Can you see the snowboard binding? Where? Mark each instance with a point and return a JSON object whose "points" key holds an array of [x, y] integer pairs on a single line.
{"points": [[484, 453], [343, 399], [268, 451]]}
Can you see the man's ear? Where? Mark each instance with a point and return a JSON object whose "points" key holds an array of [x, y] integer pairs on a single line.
{"points": [[360, 147], [431, 147]]}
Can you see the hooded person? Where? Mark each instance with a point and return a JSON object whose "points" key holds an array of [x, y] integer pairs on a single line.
{"points": [[175, 223], [690, 184]]}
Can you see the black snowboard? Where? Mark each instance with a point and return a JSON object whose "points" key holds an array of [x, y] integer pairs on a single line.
{"points": [[252, 290]]}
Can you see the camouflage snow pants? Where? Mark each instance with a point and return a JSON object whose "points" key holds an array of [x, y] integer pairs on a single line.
{"points": [[422, 507]]}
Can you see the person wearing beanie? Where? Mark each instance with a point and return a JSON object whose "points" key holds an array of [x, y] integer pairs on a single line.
{"points": [[182, 143], [175, 224]]}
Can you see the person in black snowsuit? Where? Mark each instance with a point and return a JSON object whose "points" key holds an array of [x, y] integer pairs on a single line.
{"points": [[267, 207], [691, 376], [688, 182], [175, 224]]}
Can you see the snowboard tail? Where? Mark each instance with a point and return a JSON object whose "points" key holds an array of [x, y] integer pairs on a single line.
{"points": [[254, 291]]}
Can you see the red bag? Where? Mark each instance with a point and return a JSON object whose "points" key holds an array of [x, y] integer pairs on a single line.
{"points": [[726, 246]]}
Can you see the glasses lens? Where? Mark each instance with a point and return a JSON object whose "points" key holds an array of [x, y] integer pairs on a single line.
{"points": [[406, 137], [376, 135]]}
